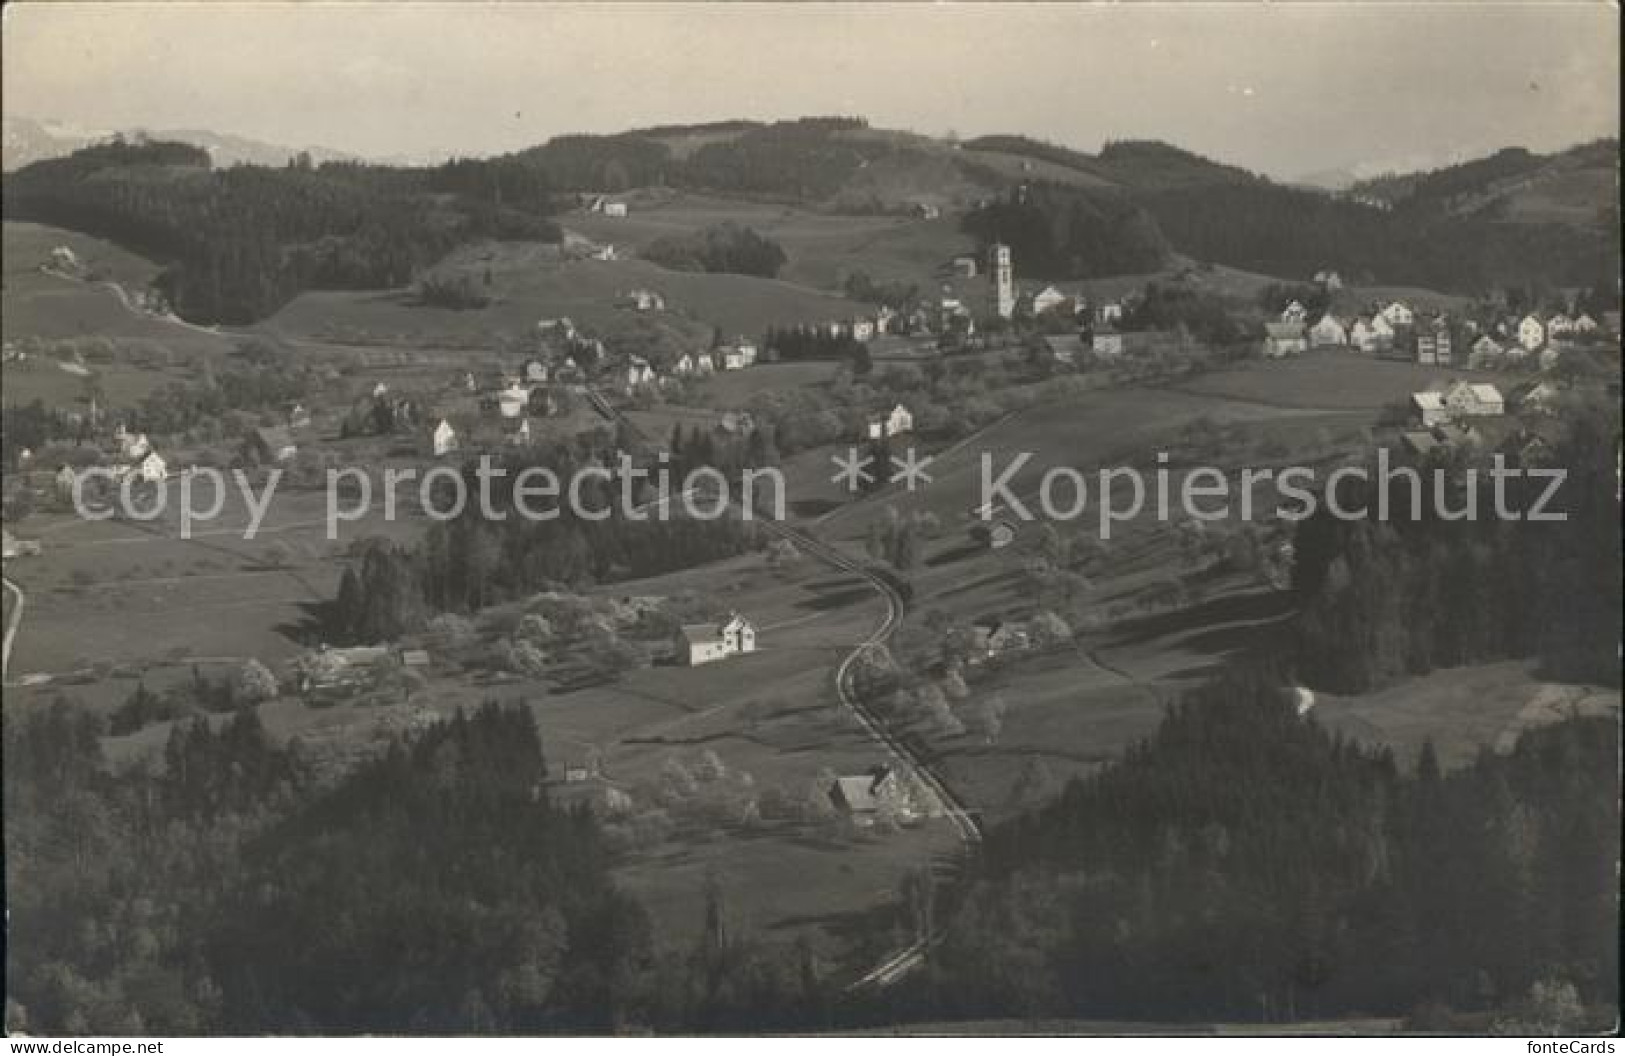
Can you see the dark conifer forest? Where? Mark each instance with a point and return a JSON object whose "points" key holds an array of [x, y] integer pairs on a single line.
{"points": [[240, 242]]}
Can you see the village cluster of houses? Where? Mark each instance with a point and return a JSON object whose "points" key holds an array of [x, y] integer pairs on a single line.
{"points": [[1456, 414], [511, 403], [1431, 338]]}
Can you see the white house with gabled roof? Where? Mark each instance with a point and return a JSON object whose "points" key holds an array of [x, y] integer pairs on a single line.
{"points": [[1531, 333], [701, 643]]}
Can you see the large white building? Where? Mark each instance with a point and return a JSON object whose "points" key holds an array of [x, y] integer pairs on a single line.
{"points": [[701, 643]]}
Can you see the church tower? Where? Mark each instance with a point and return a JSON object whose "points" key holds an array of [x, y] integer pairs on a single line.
{"points": [[1004, 283]]}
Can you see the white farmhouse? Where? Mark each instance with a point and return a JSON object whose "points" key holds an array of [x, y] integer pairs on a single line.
{"points": [[1531, 333], [899, 421], [1468, 399], [443, 438], [1047, 299], [1429, 408], [1398, 314], [701, 643], [1328, 332], [512, 401]]}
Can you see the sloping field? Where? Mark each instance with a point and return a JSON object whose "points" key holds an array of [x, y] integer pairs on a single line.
{"points": [[51, 307], [585, 290], [822, 247]]}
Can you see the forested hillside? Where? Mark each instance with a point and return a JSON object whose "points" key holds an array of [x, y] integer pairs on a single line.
{"points": [[1285, 231], [1245, 865], [433, 890], [1383, 598], [1495, 184], [242, 241]]}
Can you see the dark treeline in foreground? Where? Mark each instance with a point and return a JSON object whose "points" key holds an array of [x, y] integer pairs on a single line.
{"points": [[1246, 865], [433, 890], [242, 241], [1243, 865]]}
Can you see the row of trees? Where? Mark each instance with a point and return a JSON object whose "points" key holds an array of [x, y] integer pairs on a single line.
{"points": [[1064, 232], [724, 247]]}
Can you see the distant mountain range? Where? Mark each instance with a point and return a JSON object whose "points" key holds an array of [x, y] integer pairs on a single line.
{"points": [[28, 140]]}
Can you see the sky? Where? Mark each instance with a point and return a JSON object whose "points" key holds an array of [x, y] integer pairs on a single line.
{"points": [[1285, 88]]}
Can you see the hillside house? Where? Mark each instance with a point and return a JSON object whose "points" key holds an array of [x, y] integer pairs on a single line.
{"points": [[152, 469], [1331, 281], [562, 328], [701, 643], [737, 423], [379, 391], [1559, 325], [442, 439], [1328, 332], [1541, 398], [1284, 339], [1585, 324], [866, 797], [1109, 312], [535, 371], [638, 373], [1486, 352], [328, 670], [995, 535], [995, 637], [615, 209], [1372, 334], [964, 267], [1468, 399], [269, 444], [863, 329], [1295, 313], [11, 546], [1429, 408], [513, 400], [1433, 343], [643, 301], [1398, 314], [1048, 299], [1106, 341], [298, 417], [737, 356], [1531, 333], [131, 446], [898, 421]]}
